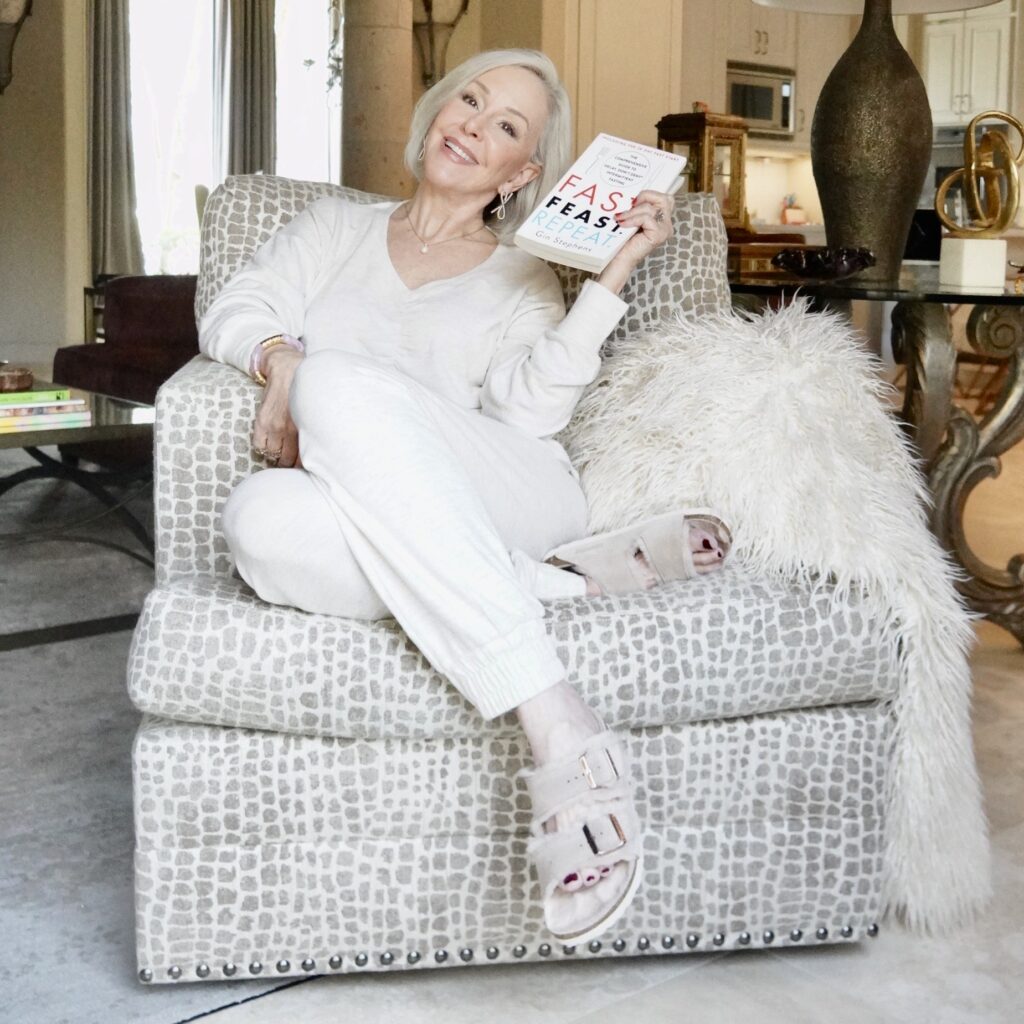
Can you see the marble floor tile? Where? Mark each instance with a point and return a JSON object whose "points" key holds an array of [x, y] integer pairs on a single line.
{"points": [[555, 993], [736, 988]]}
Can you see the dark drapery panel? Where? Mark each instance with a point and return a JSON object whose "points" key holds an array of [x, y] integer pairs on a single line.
{"points": [[113, 226], [246, 82]]}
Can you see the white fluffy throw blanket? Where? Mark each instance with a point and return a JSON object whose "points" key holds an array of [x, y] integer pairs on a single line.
{"points": [[781, 423]]}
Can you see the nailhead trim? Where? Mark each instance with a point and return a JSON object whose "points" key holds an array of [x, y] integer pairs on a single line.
{"points": [[387, 958]]}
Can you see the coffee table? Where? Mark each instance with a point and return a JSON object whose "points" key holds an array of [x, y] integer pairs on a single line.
{"points": [[113, 419]]}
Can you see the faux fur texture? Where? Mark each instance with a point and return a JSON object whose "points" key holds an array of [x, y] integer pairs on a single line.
{"points": [[782, 423]]}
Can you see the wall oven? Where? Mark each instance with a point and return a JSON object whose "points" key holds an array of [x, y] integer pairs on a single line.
{"points": [[763, 97]]}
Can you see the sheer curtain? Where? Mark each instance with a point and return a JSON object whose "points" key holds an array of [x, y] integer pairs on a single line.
{"points": [[245, 86], [113, 227]]}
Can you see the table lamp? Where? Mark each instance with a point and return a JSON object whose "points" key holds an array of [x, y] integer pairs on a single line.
{"points": [[871, 137]]}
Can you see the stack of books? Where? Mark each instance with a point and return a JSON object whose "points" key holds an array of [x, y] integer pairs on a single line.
{"points": [[43, 407]]}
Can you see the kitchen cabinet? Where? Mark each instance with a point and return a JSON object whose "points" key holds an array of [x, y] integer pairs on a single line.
{"points": [[761, 35], [629, 68], [966, 62], [821, 40]]}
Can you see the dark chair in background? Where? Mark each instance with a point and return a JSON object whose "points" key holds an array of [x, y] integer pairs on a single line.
{"points": [[149, 333]]}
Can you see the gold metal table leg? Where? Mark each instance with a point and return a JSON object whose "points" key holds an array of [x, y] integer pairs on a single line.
{"points": [[960, 450]]}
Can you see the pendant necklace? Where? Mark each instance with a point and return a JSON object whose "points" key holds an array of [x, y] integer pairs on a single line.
{"points": [[424, 245]]}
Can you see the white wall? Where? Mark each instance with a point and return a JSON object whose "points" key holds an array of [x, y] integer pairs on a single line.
{"points": [[43, 242]]}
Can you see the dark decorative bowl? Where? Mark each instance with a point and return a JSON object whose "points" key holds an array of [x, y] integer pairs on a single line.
{"points": [[823, 264]]}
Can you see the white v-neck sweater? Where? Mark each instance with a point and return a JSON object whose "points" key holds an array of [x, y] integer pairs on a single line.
{"points": [[495, 338]]}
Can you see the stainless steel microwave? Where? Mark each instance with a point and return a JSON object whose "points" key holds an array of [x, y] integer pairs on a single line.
{"points": [[763, 97]]}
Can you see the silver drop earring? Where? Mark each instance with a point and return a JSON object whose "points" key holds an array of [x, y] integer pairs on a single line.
{"points": [[423, 150], [504, 197]]}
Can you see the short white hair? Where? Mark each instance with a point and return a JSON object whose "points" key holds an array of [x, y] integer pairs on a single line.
{"points": [[554, 148]]}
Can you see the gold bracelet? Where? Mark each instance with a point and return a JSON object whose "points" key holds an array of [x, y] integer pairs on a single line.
{"points": [[276, 339]]}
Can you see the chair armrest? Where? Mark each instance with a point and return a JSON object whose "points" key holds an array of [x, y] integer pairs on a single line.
{"points": [[204, 415]]}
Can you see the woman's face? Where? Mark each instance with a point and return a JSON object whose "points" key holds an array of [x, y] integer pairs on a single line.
{"points": [[483, 137]]}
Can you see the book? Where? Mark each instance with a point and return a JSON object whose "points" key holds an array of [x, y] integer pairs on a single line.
{"points": [[14, 425], [575, 222], [37, 408], [45, 393]]}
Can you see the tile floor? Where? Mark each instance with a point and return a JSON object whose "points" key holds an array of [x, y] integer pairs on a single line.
{"points": [[65, 849]]}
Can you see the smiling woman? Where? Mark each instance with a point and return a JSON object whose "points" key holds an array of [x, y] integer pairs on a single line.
{"points": [[416, 367]]}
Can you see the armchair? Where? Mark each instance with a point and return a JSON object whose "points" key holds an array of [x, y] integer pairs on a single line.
{"points": [[312, 797], [149, 332]]}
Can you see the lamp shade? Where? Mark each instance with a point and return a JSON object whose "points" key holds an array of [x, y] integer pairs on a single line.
{"points": [[857, 6]]}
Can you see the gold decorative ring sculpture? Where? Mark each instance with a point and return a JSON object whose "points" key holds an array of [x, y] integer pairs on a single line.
{"points": [[987, 162]]}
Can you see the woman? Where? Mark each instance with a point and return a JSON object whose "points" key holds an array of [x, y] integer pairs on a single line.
{"points": [[411, 431]]}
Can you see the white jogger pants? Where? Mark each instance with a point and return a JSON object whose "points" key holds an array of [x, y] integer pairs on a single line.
{"points": [[410, 506]]}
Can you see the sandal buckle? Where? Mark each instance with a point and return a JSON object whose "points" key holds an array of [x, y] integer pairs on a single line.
{"points": [[611, 849], [588, 772]]}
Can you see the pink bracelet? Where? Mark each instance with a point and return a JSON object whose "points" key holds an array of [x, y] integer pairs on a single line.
{"points": [[255, 360]]}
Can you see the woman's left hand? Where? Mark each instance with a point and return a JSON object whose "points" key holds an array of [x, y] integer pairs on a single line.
{"points": [[651, 214]]}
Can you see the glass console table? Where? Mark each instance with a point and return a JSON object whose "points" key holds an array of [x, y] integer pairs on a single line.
{"points": [[959, 450], [110, 419]]}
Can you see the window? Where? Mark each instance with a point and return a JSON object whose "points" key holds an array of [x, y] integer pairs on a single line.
{"points": [[308, 114], [172, 126], [173, 103]]}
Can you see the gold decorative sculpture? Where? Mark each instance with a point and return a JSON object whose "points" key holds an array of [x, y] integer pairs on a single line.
{"points": [[989, 179]]}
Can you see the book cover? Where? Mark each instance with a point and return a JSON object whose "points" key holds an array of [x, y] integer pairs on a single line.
{"points": [[50, 393], [575, 222]]}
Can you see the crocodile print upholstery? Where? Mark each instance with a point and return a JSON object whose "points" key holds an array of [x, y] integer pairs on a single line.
{"points": [[720, 646], [284, 848], [311, 797]]}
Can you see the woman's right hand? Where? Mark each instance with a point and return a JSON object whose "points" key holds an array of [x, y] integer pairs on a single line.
{"points": [[273, 429]]}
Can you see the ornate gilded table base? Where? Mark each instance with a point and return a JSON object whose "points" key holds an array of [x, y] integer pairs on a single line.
{"points": [[961, 451]]}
